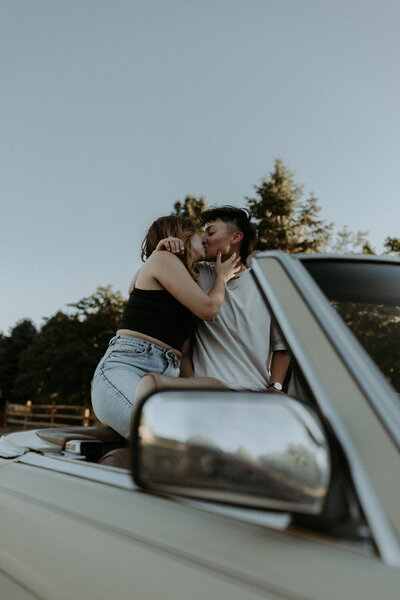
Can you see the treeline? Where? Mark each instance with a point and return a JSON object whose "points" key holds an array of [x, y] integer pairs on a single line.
{"points": [[287, 221], [57, 362]]}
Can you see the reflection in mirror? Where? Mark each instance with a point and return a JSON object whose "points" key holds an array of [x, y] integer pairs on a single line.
{"points": [[247, 448]]}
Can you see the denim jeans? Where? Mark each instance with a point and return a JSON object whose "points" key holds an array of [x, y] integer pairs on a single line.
{"points": [[125, 362]]}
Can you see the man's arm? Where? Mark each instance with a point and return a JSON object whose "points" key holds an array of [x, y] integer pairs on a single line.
{"points": [[279, 366], [172, 244], [186, 360]]}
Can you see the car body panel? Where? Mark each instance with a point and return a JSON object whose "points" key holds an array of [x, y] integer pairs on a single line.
{"points": [[14, 590], [235, 559]]}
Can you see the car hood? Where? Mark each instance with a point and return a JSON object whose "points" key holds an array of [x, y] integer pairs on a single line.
{"points": [[17, 444]]}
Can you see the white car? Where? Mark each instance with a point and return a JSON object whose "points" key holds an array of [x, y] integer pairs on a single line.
{"points": [[232, 495]]}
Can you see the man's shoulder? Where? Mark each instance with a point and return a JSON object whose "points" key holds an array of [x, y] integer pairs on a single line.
{"points": [[206, 266], [206, 270], [206, 275]]}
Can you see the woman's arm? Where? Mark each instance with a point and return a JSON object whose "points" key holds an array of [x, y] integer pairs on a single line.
{"points": [[171, 274], [133, 282]]}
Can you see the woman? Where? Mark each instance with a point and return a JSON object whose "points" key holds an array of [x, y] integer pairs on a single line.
{"points": [[157, 320]]}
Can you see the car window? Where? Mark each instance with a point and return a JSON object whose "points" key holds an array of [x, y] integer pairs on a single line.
{"points": [[367, 297], [377, 327]]}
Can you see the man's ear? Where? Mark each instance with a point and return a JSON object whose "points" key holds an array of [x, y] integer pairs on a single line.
{"points": [[237, 237]]}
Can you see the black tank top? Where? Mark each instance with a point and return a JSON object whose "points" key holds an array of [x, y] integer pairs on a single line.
{"points": [[159, 315]]}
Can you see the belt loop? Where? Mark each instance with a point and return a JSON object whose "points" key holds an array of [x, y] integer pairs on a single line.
{"points": [[173, 358], [113, 340]]}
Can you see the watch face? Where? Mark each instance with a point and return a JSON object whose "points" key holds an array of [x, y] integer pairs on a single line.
{"points": [[276, 385]]}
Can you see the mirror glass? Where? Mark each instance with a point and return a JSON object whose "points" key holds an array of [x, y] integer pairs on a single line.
{"points": [[246, 448]]}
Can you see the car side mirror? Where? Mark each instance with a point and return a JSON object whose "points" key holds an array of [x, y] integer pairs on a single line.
{"points": [[245, 448]]}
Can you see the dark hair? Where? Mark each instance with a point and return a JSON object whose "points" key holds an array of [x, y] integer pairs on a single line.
{"points": [[240, 218], [172, 226]]}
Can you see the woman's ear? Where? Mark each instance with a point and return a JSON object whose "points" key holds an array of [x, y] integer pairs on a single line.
{"points": [[237, 237]]}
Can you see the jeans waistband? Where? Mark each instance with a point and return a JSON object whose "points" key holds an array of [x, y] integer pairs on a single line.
{"points": [[136, 341]]}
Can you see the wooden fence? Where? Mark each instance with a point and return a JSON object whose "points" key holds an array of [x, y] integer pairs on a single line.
{"points": [[29, 416]]}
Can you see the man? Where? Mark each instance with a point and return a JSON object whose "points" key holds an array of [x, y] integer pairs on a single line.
{"points": [[243, 343]]}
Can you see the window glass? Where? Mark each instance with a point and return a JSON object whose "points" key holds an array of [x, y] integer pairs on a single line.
{"points": [[367, 297], [377, 327]]}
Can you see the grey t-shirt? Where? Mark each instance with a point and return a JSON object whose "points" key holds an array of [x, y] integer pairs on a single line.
{"points": [[236, 347]]}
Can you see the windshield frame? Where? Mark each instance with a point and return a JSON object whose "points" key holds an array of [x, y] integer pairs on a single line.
{"points": [[370, 379]]}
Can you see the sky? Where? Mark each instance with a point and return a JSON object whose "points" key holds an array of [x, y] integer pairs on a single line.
{"points": [[111, 111]]}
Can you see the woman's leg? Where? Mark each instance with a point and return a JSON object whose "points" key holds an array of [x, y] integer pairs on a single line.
{"points": [[112, 391], [155, 381]]}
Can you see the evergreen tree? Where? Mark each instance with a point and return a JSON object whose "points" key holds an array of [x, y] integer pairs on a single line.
{"points": [[191, 207], [392, 246], [12, 348], [283, 221], [350, 242], [313, 234], [273, 209]]}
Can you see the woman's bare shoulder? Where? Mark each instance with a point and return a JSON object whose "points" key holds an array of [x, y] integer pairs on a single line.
{"points": [[160, 268], [163, 258]]}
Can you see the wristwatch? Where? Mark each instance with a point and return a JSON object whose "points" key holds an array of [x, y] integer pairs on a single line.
{"points": [[276, 385]]}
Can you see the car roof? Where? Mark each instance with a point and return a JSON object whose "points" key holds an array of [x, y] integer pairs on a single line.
{"points": [[331, 257]]}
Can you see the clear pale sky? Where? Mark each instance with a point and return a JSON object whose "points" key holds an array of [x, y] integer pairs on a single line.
{"points": [[112, 110]]}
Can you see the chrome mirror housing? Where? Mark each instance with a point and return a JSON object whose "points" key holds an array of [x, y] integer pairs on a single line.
{"points": [[245, 448]]}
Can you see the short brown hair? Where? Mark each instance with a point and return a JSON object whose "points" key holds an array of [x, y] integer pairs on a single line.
{"points": [[172, 226], [240, 218]]}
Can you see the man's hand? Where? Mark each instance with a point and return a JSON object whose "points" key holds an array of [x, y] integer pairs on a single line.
{"points": [[172, 244]]}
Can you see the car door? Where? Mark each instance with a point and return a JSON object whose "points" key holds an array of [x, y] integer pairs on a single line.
{"points": [[346, 387]]}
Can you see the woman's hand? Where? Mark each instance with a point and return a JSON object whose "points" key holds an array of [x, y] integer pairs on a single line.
{"points": [[172, 244], [229, 267]]}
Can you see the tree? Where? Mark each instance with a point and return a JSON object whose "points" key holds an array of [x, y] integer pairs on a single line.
{"points": [[392, 245], [12, 348], [350, 242], [60, 363], [283, 221], [313, 234], [191, 207], [377, 327]]}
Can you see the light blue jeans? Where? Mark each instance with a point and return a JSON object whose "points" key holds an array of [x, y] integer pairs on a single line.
{"points": [[125, 362]]}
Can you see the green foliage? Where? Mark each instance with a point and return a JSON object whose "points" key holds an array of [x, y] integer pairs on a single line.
{"points": [[350, 242], [377, 327], [313, 234], [60, 362], [367, 248], [191, 207], [284, 221], [392, 246], [12, 348]]}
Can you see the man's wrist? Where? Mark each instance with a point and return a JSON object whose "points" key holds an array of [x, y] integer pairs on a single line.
{"points": [[276, 385]]}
